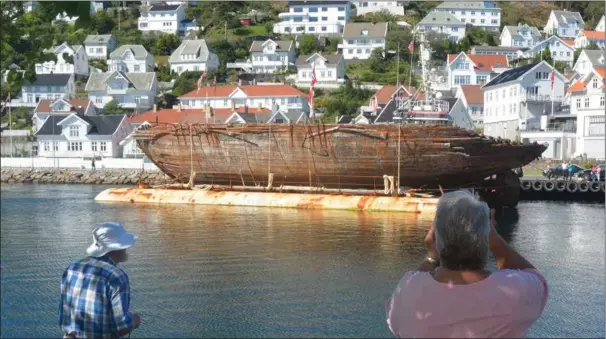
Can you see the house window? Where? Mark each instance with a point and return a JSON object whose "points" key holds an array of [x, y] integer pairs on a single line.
{"points": [[99, 50], [586, 102], [224, 103], [56, 145], [594, 83], [313, 9], [341, 9], [473, 21], [46, 146], [482, 21], [93, 146], [98, 100], [595, 126], [601, 101], [329, 74], [359, 51], [137, 100], [103, 146], [455, 29], [323, 28], [91, 50], [324, 9], [341, 18], [494, 22], [74, 131], [311, 29], [463, 65], [74, 146], [482, 13], [324, 18], [462, 79], [313, 19], [298, 10], [578, 103], [561, 53], [567, 53]]}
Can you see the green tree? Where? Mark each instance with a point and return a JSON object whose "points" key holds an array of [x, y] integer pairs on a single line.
{"points": [[102, 22], [269, 28], [544, 55], [113, 108], [166, 44], [377, 60], [308, 44], [185, 83]]}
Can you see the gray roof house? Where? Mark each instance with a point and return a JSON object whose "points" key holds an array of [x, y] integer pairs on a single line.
{"points": [[329, 70], [521, 35], [131, 90], [564, 24], [99, 45], [130, 58], [193, 55], [589, 59], [442, 22], [361, 38]]}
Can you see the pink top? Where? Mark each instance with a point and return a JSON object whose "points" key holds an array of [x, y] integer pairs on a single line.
{"points": [[503, 305]]}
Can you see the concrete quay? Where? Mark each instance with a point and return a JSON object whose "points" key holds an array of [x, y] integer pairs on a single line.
{"points": [[89, 177]]}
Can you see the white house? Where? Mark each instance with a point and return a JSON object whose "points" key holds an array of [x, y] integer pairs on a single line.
{"points": [[99, 46], [394, 7], [515, 100], [78, 65], [253, 96], [442, 22], [46, 108], [166, 19], [330, 70], [464, 69], [71, 20], [588, 60], [564, 24], [46, 86], [193, 55], [472, 102], [130, 59], [521, 35], [561, 50], [130, 149], [585, 38], [314, 17], [511, 53], [75, 136], [268, 56], [136, 91], [484, 14], [361, 38], [587, 103], [601, 26]]}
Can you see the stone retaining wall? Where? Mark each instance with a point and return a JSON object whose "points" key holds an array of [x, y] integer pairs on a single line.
{"points": [[102, 177]]}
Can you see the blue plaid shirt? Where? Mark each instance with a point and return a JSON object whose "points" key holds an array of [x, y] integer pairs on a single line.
{"points": [[95, 299]]}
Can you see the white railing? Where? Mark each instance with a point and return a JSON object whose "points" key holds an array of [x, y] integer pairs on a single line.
{"points": [[78, 163], [542, 98]]}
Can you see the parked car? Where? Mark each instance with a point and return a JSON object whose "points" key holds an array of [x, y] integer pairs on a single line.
{"points": [[557, 171]]}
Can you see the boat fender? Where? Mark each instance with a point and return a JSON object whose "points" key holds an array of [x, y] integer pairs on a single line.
{"points": [[560, 186], [525, 185], [549, 186], [583, 187], [537, 185], [595, 186], [602, 184], [572, 187]]}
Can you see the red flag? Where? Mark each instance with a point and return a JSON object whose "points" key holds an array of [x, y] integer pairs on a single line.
{"points": [[215, 81], [552, 78], [411, 46], [311, 87], [3, 106], [200, 81]]}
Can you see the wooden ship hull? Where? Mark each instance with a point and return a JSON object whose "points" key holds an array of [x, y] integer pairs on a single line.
{"points": [[331, 156]]}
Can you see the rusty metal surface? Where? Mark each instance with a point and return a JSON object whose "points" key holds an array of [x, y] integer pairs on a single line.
{"points": [[338, 156], [267, 199]]}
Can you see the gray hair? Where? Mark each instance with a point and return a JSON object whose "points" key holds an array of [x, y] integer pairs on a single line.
{"points": [[462, 227]]}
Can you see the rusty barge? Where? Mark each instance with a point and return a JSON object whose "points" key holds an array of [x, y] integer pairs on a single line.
{"points": [[373, 158]]}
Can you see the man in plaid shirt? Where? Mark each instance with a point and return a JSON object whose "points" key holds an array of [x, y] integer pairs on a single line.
{"points": [[95, 293]]}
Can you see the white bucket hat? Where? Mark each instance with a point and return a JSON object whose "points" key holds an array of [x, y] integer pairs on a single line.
{"points": [[108, 237]]}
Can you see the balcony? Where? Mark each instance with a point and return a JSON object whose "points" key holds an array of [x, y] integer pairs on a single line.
{"points": [[541, 98]]}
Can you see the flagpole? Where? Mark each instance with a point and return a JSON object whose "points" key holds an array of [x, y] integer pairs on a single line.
{"points": [[10, 123], [206, 101], [411, 58], [398, 67]]}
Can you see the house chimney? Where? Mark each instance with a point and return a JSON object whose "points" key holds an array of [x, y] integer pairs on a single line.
{"points": [[155, 108]]}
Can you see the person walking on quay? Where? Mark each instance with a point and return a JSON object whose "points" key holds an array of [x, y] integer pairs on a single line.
{"points": [[92, 165], [565, 170], [452, 294], [95, 292]]}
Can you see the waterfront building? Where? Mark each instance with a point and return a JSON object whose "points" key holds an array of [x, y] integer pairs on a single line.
{"points": [[314, 17], [585, 38], [99, 46], [46, 108], [515, 100], [561, 50], [165, 19], [130, 59], [395, 7], [229, 97], [588, 60], [522, 36], [135, 91], [193, 55], [511, 53], [70, 60], [382, 104], [484, 14], [268, 57], [587, 104], [46, 86], [76, 135], [443, 24], [601, 26], [361, 38], [329, 70], [564, 24], [470, 100], [474, 69]]}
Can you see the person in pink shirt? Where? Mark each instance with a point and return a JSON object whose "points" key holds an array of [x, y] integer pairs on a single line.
{"points": [[452, 294]]}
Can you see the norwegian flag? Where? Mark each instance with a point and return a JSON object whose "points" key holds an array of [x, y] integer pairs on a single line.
{"points": [[311, 87], [411, 46], [552, 77], [214, 83], [202, 77], [3, 106]]}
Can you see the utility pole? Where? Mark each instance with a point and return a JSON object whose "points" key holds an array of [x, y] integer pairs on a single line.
{"points": [[225, 30], [10, 123], [398, 67]]}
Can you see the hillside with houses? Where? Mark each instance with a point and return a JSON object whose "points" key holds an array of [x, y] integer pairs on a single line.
{"points": [[79, 77]]}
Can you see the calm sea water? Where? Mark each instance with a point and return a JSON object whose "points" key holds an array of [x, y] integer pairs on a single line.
{"points": [[253, 272]]}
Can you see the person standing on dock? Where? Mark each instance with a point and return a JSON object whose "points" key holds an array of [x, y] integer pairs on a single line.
{"points": [[452, 294], [95, 292], [565, 170]]}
